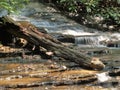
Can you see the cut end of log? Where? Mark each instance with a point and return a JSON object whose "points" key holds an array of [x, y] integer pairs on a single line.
{"points": [[97, 64]]}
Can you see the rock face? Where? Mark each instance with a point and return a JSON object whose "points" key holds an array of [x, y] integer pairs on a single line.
{"points": [[96, 62]]}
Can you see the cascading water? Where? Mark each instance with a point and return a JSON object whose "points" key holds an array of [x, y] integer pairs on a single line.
{"points": [[54, 23], [92, 40], [87, 40]]}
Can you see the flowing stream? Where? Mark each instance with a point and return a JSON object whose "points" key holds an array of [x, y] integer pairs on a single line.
{"points": [[88, 39], [53, 22]]}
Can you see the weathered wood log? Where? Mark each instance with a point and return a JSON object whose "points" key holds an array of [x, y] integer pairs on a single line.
{"points": [[36, 38]]}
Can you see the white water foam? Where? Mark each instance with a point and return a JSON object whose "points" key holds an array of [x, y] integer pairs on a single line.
{"points": [[102, 77]]}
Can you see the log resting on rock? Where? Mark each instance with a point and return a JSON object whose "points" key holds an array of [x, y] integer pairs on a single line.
{"points": [[39, 39]]}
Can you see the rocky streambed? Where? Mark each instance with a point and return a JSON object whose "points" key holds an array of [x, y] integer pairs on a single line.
{"points": [[21, 69], [32, 72]]}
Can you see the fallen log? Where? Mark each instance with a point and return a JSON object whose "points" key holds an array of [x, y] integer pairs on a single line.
{"points": [[39, 39]]}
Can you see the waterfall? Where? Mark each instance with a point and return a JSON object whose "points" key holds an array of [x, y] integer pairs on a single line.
{"points": [[51, 21], [92, 40]]}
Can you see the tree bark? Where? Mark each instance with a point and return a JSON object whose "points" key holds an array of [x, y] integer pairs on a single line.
{"points": [[36, 38]]}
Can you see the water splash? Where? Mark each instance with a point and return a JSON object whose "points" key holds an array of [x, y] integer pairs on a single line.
{"points": [[76, 32], [102, 77]]}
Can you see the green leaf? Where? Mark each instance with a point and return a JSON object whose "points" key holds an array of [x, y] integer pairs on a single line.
{"points": [[12, 5], [88, 9]]}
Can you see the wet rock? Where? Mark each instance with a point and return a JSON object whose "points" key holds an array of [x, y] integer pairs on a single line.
{"points": [[49, 53], [43, 29], [53, 19], [114, 73], [28, 11], [39, 75], [113, 44], [95, 61], [109, 84], [36, 57], [64, 38], [13, 77], [63, 67], [54, 66], [98, 52], [6, 51]]}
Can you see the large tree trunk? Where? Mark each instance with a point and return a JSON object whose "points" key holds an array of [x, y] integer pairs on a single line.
{"points": [[35, 37]]}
